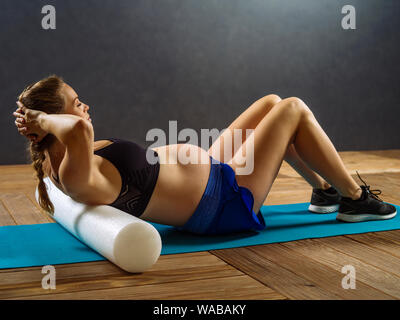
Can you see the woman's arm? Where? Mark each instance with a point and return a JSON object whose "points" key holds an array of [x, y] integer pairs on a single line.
{"points": [[35, 124], [62, 126], [77, 172]]}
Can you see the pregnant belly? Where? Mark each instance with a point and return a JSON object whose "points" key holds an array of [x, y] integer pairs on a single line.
{"points": [[180, 184]]}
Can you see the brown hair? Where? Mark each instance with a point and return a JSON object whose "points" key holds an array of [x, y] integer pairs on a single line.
{"points": [[45, 96]]}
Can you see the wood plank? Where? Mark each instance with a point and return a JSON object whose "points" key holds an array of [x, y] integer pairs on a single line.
{"points": [[386, 241], [228, 288], [22, 209], [30, 194], [104, 275], [370, 281], [365, 253], [315, 268], [272, 275], [389, 153], [5, 216], [365, 162], [108, 282], [8, 172], [393, 235], [393, 179], [288, 197], [96, 268]]}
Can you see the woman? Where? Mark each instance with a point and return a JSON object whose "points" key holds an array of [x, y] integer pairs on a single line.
{"points": [[200, 198]]}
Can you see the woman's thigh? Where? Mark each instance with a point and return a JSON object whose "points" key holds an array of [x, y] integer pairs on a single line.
{"points": [[249, 119], [264, 152]]}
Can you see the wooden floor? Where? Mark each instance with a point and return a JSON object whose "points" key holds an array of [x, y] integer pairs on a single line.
{"points": [[305, 269]]}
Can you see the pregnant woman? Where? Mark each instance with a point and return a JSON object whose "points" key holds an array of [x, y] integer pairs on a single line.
{"points": [[203, 198]]}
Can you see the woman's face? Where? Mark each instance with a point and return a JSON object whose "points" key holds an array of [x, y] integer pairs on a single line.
{"points": [[73, 105]]}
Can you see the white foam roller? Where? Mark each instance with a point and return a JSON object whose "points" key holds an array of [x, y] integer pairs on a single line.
{"points": [[129, 242]]}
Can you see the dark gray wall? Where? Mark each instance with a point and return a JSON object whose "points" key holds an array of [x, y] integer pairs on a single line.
{"points": [[141, 63]]}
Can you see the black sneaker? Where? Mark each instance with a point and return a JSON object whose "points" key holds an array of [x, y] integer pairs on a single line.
{"points": [[368, 207], [324, 201]]}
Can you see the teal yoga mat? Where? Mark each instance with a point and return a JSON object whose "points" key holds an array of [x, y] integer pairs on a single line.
{"points": [[51, 244]]}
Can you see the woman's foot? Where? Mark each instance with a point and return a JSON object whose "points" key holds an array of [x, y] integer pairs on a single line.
{"points": [[324, 200], [368, 207]]}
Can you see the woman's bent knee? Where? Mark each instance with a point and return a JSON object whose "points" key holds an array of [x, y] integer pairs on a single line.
{"points": [[274, 98], [268, 102], [271, 100], [295, 104]]}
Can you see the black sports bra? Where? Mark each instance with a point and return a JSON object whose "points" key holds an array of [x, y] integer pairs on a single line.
{"points": [[138, 176]]}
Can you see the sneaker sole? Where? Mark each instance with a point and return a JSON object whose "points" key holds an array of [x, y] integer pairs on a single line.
{"points": [[363, 217], [323, 209]]}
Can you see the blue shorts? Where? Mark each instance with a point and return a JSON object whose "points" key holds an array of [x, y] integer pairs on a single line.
{"points": [[224, 207]]}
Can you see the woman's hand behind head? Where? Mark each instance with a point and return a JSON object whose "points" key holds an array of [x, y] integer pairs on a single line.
{"points": [[28, 123]]}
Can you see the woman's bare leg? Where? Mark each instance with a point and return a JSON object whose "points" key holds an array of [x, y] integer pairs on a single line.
{"points": [[291, 121], [295, 161], [249, 119]]}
